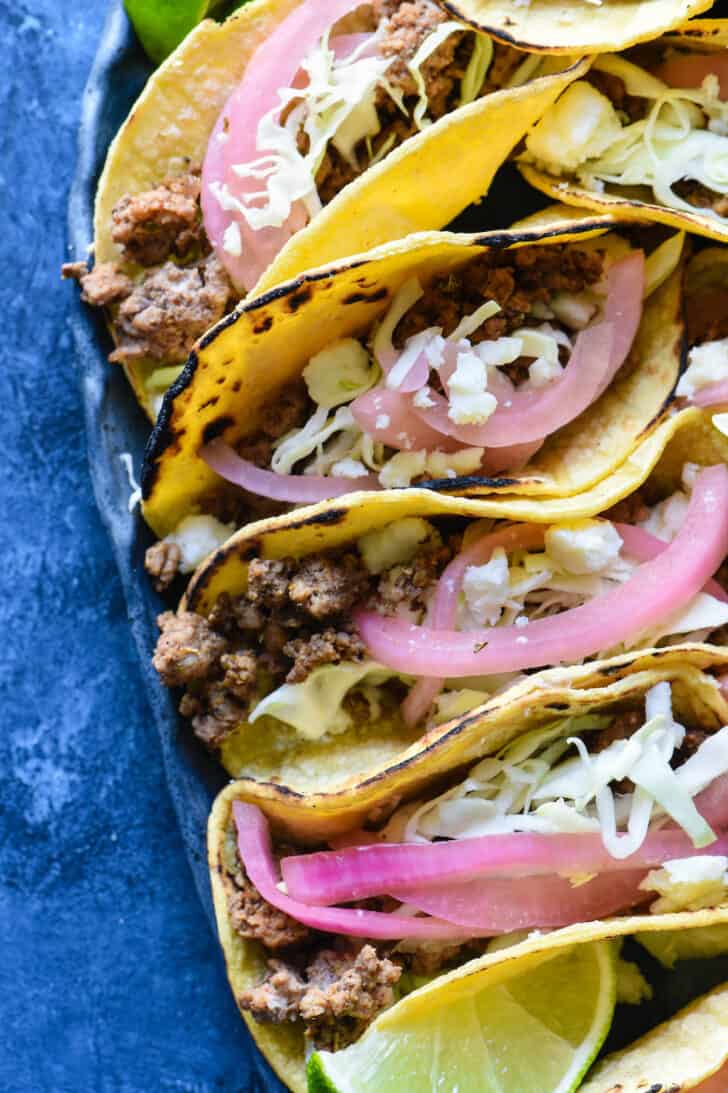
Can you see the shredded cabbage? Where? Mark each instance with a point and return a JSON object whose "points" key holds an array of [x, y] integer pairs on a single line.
{"points": [[336, 91], [538, 784], [395, 544], [683, 136], [339, 373], [427, 48], [477, 69], [314, 708]]}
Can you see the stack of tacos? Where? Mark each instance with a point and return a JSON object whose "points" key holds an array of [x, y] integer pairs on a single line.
{"points": [[441, 521]]}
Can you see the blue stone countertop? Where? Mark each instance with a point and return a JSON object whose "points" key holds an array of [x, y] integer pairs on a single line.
{"points": [[111, 978]]}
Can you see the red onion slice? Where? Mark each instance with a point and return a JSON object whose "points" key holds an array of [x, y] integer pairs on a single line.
{"points": [[502, 904], [359, 872], [254, 847], [273, 67], [297, 488], [644, 547], [388, 417], [444, 607], [656, 590]]}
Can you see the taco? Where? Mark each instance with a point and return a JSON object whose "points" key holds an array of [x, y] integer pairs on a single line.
{"points": [[603, 817], [575, 26], [475, 364], [643, 135], [326, 643], [705, 380], [370, 122]]}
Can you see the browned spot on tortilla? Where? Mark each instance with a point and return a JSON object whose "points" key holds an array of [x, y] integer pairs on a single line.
{"points": [[298, 299], [263, 324], [330, 516], [366, 297], [216, 427], [210, 402]]}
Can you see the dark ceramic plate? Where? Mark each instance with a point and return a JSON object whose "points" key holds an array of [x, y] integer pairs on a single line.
{"points": [[115, 425]]}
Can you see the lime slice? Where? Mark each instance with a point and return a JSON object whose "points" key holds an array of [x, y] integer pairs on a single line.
{"points": [[538, 1030]]}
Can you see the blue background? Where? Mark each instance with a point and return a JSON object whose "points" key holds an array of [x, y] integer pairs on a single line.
{"points": [[110, 976]]}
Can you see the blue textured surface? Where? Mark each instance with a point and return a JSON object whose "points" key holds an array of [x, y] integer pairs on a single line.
{"points": [[111, 979]]}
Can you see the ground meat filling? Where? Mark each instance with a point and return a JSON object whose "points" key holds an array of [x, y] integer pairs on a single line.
{"points": [[700, 197], [337, 995], [153, 226], [406, 26], [184, 289], [169, 310], [634, 107], [253, 918], [162, 561], [294, 617], [515, 279]]}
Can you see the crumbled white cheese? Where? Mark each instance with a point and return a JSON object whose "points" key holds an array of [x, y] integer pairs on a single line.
{"points": [[707, 363], [196, 537], [688, 884], [666, 517], [470, 403], [349, 468], [543, 372], [382, 421], [395, 544], [583, 546], [454, 464], [232, 240], [402, 468], [422, 399], [581, 125], [339, 373], [498, 352], [486, 588]]}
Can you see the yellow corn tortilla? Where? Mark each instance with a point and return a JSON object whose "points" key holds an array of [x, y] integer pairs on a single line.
{"points": [[303, 818], [677, 1055], [247, 358], [575, 26], [701, 35], [382, 752], [421, 185]]}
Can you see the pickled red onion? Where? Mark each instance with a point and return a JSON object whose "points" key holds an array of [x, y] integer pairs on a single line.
{"points": [[689, 70], [657, 589], [711, 395], [388, 417], [534, 414], [359, 872], [643, 547], [273, 66], [444, 606], [296, 488], [255, 852], [502, 904]]}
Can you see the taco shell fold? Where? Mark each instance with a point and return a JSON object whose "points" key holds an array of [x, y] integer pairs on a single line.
{"points": [[575, 26], [421, 185], [251, 355], [627, 203]]}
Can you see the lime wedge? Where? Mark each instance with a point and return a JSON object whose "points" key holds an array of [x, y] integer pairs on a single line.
{"points": [[538, 1030]]}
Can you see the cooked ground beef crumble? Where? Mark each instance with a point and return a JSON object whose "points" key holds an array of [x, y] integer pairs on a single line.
{"points": [[293, 618]]}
